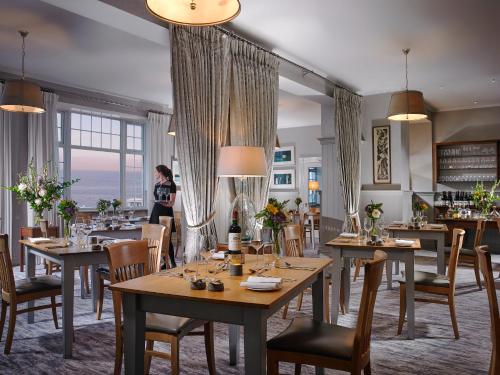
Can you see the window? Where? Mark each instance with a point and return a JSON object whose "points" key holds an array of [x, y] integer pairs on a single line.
{"points": [[314, 185], [107, 155]]}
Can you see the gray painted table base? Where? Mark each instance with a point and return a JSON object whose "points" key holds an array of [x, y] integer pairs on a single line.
{"points": [[68, 263], [253, 320], [405, 255]]}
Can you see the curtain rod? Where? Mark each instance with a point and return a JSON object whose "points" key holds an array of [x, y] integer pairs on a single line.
{"points": [[306, 70]]}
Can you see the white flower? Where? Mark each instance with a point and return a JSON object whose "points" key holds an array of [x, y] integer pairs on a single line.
{"points": [[38, 202], [22, 187], [376, 214], [42, 192]]}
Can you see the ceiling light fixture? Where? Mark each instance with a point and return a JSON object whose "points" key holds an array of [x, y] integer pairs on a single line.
{"points": [[20, 95], [194, 12], [407, 105], [171, 127]]}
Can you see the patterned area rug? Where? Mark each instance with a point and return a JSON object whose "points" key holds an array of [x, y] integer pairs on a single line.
{"points": [[37, 348]]}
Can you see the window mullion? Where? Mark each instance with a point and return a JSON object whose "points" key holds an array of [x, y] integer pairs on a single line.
{"points": [[123, 154]]}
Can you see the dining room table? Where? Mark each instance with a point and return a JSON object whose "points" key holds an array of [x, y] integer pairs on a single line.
{"points": [[69, 258], [342, 250], [235, 305], [433, 232]]}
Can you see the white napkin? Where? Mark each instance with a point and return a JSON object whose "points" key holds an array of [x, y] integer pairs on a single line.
{"points": [[404, 242], [39, 239], [397, 222], [264, 283], [348, 235], [218, 255], [436, 226], [128, 226]]}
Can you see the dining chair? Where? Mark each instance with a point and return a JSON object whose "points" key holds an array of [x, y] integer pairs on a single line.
{"points": [[15, 292], [484, 258], [310, 223], [356, 228], [166, 222], [294, 248], [129, 260], [470, 255], [432, 283], [154, 234], [321, 344]]}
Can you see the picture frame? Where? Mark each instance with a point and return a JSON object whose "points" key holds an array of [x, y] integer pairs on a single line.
{"points": [[284, 156], [283, 179], [176, 172], [381, 151]]}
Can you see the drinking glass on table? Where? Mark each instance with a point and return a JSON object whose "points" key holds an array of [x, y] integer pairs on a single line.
{"points": [[368, 226], [257, 244], [384, 234], [87, 229]]}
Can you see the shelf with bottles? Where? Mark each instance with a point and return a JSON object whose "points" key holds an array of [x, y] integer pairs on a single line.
{"points": [[462, 162], [463, 149]]}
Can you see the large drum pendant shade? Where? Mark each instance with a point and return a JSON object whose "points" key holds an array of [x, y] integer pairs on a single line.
{"points": [[22, 96], [407, 106], [194, 12]]}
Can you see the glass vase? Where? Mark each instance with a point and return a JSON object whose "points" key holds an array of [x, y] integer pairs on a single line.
{"points": [[276, 247]]}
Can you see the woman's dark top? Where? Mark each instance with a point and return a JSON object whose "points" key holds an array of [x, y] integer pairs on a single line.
{"points": [[158, 208]]}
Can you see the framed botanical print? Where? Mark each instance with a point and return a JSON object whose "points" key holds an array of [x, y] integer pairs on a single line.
{"points": [[284, 156], [283, 179], [381, 138]]}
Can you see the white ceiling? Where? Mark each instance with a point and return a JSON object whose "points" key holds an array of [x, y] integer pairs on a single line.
{"points": [[92, 45]]}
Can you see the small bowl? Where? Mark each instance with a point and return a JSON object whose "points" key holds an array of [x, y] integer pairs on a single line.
{"points": [[198, 284], [216, 286]]}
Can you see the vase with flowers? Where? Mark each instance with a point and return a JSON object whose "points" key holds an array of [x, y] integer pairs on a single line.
{"points": [[116, 204], [40, 189], [274, 217], [374, 213], [484, 199], [298, 202], [67, 210]]}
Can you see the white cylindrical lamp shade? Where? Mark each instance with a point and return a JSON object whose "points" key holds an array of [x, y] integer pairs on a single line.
{"points": [[407, 106], [242, 161]]}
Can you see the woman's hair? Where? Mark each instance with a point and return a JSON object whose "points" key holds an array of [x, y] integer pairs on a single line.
{"points": [[165, 171]]}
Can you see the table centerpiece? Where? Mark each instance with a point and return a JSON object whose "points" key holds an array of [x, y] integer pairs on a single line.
{"points": [[374, 213], [274, 217], [483, 199]]}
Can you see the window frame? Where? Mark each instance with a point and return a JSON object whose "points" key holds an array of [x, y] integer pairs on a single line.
{"points": [[67, 146]]}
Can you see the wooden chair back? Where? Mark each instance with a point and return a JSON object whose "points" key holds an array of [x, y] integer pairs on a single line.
{"points": [[456, 246], [293, 241], [166, 221], [373, 276], [154, 234], [83, 216], [314, 210], [355, 223], [484, 258], [7, 283], [480, 228]]}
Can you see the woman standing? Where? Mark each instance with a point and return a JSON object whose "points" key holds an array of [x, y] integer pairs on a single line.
{"points": [[164, 193]]}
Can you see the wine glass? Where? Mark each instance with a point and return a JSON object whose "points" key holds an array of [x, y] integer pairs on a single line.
{"points": [[257, 243], [87, 229], [368, 226]]}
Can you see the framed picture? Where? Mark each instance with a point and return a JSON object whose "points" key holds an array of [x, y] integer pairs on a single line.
{"points": [[381, 154], [283, 179], [176, 172], [284, 156]]}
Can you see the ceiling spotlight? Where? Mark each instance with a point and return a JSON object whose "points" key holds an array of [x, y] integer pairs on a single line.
{"points": [[493, 80], [476, 102]]}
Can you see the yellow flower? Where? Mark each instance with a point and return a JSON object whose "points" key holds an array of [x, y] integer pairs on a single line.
{"points": [[273, 210]]}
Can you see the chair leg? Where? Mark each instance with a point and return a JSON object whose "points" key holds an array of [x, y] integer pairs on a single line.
{"points": [[402, 307], [174, 355], [367, 370], [357, 263], [86, 279], [2, 317], [285, 311], [147, 357], [451, 304], [118, 352], [476, 272], [326, 300], [12, 326], [298, 368], [273, 364], [54, 311], [100, 298], [209, 347], [48, 267], [299, 301]]}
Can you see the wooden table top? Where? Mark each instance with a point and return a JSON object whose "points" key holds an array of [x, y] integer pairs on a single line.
{"points": [[388, 245], [54, 249], [426, 228], [233, 294]]}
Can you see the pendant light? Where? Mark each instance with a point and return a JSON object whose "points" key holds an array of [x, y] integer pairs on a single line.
{"points": [[194, 12], [20, 95], [407, 105]]}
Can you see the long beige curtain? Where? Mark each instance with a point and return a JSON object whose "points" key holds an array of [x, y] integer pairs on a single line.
{"points": [[348, 137], [254, 108], [6, 171], [200, 77], [42, 141]]}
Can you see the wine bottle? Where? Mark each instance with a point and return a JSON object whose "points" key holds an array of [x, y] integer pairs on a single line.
{"points": [[234, 237]]}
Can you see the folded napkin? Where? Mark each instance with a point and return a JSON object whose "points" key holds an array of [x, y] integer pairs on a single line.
{"points": [[396, 222], [436, 226], [348, 235], [39, 239], [263, 283], [218, 255], [128, 226], [404, 242]]}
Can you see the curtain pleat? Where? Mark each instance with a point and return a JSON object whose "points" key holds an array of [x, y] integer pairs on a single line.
{"points": [[6, 172], [160, 148], [42, 142], [200, 78], [348, 136]]}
